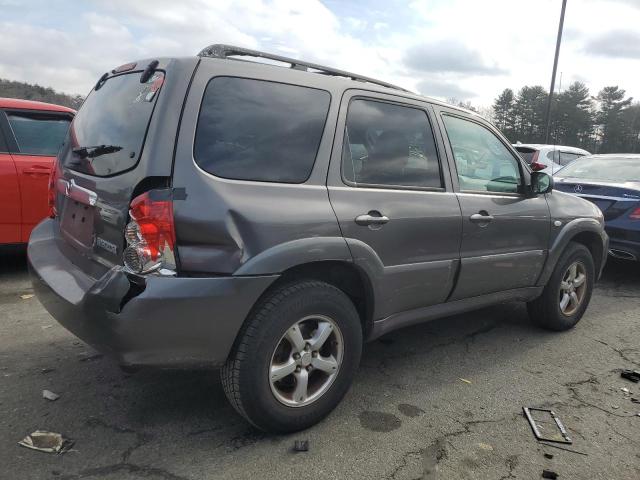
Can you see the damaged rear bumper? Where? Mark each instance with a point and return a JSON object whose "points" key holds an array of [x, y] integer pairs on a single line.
{"points": [[159, 321]]}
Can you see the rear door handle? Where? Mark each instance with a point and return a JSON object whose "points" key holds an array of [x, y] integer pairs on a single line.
{"points": [[372, 218], [482, 217]]}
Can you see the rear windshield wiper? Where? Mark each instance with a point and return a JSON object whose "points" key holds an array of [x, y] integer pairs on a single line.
{"points": [[96, 150]]}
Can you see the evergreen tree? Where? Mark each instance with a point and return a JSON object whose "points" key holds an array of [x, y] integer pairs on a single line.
{"points": [[573, 124], [610, 117], [503, 113], [529, 110]]}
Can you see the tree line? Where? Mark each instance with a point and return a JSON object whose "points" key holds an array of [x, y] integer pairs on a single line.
{"points": [[606, 123], [27, 91]]}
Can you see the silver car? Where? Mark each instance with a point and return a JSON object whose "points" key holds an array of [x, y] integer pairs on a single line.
{"points": [[548, 158]]}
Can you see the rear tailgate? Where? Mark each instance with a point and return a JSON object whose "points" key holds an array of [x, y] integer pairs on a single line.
{"points": [[119, 145]]}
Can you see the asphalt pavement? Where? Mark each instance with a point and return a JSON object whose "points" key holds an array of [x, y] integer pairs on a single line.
{"points": [[442, 400]]}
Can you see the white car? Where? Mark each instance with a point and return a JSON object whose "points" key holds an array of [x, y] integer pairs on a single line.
{"points": [[548, 158]]}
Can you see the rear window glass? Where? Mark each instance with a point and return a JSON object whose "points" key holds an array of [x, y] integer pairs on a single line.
{"points": [[526, 153], [259, 130], [38, 134], [115, 116]]}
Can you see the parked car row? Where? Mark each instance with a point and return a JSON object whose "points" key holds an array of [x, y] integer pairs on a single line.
{"points": [[214, 212]]}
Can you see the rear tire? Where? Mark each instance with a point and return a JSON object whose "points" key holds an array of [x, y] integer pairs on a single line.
{"points": [[568, 292], [295, 357]]}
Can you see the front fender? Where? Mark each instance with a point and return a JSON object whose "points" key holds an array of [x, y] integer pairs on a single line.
{"points": [[569, 231]]}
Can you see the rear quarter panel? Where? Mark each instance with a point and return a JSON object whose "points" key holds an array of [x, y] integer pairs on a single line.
{"points": [[223, 225]]}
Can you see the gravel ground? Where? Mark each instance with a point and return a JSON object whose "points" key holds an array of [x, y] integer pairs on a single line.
{"points": [[409, 414]]}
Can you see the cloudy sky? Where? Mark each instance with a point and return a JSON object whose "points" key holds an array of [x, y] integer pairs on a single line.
{"points": [[467, 49]]}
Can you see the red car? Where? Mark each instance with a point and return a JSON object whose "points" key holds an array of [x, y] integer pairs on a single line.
{"points": [[31, 134]]}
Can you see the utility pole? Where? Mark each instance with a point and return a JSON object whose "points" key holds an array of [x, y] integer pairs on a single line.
{"points": [[555, 68]]}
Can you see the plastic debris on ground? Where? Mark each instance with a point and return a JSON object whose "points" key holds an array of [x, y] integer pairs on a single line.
{"points": [[464, 380], [27, 296], [49, 395], [49, 442], [301, 446]]}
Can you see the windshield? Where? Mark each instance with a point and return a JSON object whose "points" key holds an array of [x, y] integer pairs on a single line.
{"points": [[606, 169], [107, 135]]}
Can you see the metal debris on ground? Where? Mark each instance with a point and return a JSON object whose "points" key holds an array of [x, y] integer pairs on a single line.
{"points": [[45, 327], [565, 449], [632, 375], [547, 426], [549, 474], [464, 380], [27, 296], [625, 390], [47, 370], [49, 395], [49, 442], [301, 446], [615, 407]]}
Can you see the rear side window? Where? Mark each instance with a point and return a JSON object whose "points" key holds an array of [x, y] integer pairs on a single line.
{"points": [[391, 145], [259, 130], [566, 158], [38, 134]]}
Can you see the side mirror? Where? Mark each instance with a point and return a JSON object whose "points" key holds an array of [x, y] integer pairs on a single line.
{"points": [[541, 183]]}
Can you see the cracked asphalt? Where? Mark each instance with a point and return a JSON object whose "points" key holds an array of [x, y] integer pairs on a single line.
{"points": [[441, 400]]}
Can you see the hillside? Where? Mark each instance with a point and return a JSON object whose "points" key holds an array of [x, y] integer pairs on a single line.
{"points": [[27, 91]]}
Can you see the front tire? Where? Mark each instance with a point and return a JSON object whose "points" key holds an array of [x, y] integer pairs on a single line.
{"points": [[295, 357], [568, 292]]}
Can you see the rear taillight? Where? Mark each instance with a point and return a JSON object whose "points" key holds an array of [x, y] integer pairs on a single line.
{"points": [[150, 236], [635, 215], [536, 166], [52, 188]]}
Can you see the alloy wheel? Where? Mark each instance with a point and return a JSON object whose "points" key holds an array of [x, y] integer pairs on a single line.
{"points": [[573, 288], [306, 361]]}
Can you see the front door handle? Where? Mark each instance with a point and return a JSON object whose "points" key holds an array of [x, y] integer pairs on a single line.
{"points": [[372, 218], [481, 217]]}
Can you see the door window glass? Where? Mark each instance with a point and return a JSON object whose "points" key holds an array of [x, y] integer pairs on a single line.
{"points": [[38, 134], [483, 162], [259, 130], [388, 144]]}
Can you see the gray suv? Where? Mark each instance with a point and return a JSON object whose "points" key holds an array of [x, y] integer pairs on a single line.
{"points": [[223, 211]]}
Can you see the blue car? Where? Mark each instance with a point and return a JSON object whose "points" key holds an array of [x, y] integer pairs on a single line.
{"points": [[612, 182]]}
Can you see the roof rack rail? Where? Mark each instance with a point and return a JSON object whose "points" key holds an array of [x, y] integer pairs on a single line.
{"points": [[219, 50]]}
